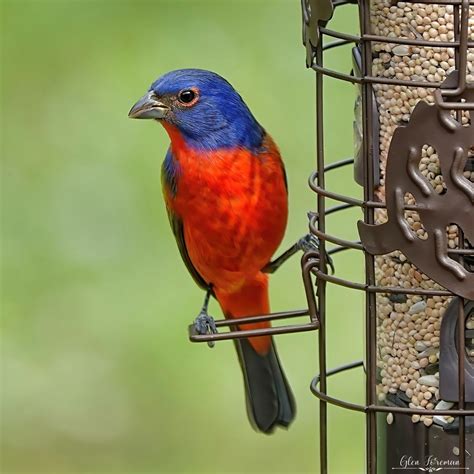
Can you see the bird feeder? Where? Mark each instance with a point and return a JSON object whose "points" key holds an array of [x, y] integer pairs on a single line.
{"points": [[413, 77]]}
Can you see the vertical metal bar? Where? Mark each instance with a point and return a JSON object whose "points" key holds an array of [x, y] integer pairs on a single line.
{"points": [[460, 58], [456, 35], [321, 290], [370, 307], [457, 55], [461, 383], [461, 36]]}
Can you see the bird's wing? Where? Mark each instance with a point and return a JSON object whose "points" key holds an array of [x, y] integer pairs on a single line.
{"points": [[168, 177], [285, 177], [178, 231], [269, 147]]}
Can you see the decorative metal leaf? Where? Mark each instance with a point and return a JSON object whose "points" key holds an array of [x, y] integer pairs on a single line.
{"points": [[453, 142], [315, 12]]}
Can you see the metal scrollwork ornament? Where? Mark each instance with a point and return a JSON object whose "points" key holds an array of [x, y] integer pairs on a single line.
{"points": [[454, 142], [315, 12]]}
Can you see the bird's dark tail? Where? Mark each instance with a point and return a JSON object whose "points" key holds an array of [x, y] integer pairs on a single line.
{"points": [[270, 402]]}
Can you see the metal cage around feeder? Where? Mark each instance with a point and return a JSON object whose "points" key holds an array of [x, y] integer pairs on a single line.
{"points": [[415, 163], [418, 224]]}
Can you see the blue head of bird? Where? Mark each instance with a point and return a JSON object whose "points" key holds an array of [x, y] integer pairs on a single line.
{"points": [[206, 110]]}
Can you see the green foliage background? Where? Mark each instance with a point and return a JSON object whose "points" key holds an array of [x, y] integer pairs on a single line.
{"points": [[97, 373]]}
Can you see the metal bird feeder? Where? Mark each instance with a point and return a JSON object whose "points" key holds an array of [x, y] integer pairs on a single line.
{"points": [[413, 68], [413, 75]]}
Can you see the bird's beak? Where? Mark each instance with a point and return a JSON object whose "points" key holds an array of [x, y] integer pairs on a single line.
{"points": [[148, 107]]}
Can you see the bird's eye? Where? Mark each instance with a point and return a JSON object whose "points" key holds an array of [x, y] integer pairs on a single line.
{"points": [[186, 96]]}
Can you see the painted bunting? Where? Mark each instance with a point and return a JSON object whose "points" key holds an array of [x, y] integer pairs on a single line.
{"points": [[225, 190]]}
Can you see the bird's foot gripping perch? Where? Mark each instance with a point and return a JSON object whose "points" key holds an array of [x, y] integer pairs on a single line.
{"points": [[311, 242], [306, 243], [204, 323]]}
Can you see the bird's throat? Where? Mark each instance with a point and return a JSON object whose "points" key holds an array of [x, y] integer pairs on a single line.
{"points": [[178, 143]]}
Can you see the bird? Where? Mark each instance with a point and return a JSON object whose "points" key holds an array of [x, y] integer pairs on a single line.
{"points": [[225, 189]]}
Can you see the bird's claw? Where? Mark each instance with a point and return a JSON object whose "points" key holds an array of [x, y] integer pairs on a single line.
{"points": [[308, 242], [205, 324], [311, 242]]}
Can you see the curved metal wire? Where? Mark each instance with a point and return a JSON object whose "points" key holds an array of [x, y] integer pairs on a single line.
{"points": [[314, 387], [366, 81], [461, 44]]}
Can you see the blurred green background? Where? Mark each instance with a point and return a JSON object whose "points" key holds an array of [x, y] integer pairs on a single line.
{"points": [[97, 373]]}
